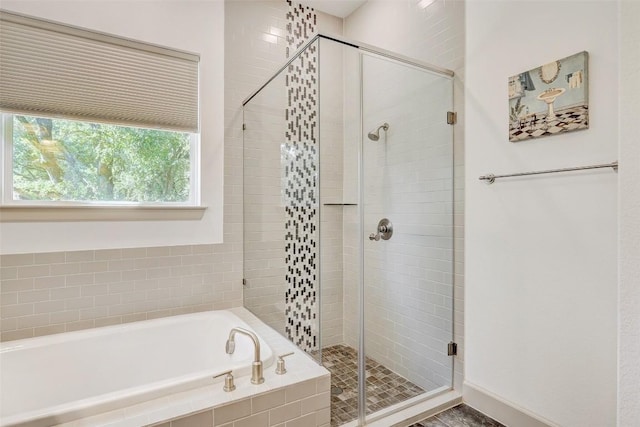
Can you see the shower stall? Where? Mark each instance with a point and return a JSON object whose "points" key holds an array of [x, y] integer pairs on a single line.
{"points": [[348, 220]]}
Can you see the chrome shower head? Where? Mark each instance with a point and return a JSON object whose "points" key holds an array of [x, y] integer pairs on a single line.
{"points": [[375, 135]]}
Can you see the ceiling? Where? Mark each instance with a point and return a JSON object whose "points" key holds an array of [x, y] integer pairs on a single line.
{"points": [[340, 8]]}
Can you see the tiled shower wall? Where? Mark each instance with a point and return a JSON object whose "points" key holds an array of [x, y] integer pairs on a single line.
{"points": [[265, 177], [264, 235], [408, 178], [331, 186], [434, 34]]}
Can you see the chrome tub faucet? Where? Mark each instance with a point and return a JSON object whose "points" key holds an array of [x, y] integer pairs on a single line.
{"points": [[256, 367]]}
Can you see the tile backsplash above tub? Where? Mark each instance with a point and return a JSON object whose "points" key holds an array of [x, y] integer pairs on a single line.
{"points": [[47, 293]]}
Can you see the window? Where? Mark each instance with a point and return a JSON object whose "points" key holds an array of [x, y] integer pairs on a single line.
{"points": [[93, 118], [57, 160]]}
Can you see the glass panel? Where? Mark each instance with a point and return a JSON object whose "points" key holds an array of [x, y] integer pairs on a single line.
{"points": [[281, 203], [407, 153], [339, 228], [264, 213], [310, 206]]}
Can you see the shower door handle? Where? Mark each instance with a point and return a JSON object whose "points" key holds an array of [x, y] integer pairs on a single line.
{"points": [[385, 230]]}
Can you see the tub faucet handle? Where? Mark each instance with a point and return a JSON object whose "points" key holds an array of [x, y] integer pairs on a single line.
{"points": [[280, 368], [228, 381]]}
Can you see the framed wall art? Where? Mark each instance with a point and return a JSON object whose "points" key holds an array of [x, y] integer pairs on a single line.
{"points": [[550, 100]]}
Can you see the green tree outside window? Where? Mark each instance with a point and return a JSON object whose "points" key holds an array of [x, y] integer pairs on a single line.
{"points": [[64, 160]]}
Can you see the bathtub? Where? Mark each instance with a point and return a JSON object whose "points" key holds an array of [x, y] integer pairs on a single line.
{"points": [[58, 378]]}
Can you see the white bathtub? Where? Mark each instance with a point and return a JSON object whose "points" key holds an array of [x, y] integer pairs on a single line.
{"points": [[58, 378]]}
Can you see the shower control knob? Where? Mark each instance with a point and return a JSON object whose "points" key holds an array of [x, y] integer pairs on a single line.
{"points": [[385, 230]]}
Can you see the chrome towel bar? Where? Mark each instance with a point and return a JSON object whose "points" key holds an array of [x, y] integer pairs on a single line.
{"points": [[491, 178]]}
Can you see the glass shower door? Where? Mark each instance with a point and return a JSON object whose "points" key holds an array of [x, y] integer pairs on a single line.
{"points": [[407, 217]]}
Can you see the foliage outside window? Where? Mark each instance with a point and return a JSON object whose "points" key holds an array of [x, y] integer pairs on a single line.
{"points": [[56, 160]]}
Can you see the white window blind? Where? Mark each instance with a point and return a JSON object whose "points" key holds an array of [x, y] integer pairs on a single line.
{"points": [[50, 69]]}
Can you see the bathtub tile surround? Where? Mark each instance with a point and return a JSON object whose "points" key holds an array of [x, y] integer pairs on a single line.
{"points": [[299, 397], [47, 293], [285, 406]]}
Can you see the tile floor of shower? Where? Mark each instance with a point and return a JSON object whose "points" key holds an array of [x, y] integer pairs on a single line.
{"points": [[384, 388]]}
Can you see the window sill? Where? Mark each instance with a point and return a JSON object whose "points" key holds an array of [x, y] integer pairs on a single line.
{"points": [[11, 213]]}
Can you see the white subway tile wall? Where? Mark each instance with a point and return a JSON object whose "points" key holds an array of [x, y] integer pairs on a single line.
{"points": [[331, 183], [249, 61], [351, 218], [264, 236], [265, 218], [48, 293], [408, 178]]}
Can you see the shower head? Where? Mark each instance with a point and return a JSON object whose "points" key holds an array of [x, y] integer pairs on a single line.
{"points": [[375, 135]]}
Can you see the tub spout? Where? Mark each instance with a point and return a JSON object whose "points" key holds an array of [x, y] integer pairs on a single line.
{"points": [[256, 367]]}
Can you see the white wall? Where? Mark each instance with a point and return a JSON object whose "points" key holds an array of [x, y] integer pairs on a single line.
{"points": [[196, 26], [540, 297], [629, 285]]}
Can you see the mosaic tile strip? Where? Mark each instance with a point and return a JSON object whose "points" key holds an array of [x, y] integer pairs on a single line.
{"points": [[299, 158], [301, 25], [384, 387]]}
